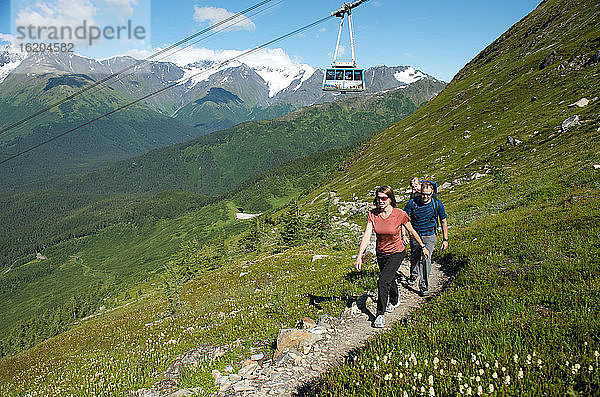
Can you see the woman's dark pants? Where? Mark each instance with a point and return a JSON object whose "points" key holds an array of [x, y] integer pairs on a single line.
{"points": [[387, 289]]}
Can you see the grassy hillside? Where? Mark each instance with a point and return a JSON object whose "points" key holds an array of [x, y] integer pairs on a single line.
{"points": [[221, 161], [522, 314]]}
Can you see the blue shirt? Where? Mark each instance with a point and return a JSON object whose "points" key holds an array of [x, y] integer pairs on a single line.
{"points": [[422, 216]]}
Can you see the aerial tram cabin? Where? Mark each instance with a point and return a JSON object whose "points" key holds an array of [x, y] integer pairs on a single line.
{"points": [[343, 76]]}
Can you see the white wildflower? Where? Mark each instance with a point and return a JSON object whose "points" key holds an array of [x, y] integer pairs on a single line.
{"points": [[596, 354], [442, 371], [459, 376], [481, 371], [430, 379], [405, 394], [491, 388], [461, 389], [469, 391], [453, 361], [516, 358], [431, 392], [436, 360], [507, 380], [503, 369], [420, 376], [479, 390], [539, 362], [496, 364], [477, 378], [495, 375], [590, 368], [520, 374], [422, 389]]}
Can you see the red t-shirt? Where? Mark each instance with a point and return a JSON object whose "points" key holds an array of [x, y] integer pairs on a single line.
{"points": [[389, 237]]}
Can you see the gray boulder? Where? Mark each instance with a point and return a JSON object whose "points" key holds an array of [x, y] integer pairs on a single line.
{"points": [[570, 123]]}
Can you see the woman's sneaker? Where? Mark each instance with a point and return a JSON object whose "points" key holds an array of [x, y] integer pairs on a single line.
{"points": [[379, 321], [390, 308]]}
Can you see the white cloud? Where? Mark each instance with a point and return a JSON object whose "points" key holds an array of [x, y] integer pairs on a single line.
{"points": [[7, 38], [64, 13], [275, 58], [214, 15], [124, 7]]}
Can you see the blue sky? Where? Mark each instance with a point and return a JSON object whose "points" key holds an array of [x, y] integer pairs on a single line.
{"points": [[437, 37]]}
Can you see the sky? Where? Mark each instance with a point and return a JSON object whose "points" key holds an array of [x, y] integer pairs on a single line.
{"points": [[438, 37]]}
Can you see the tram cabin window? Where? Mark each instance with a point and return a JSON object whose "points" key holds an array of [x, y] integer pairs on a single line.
{"points": [[330, 74], [349, 74], [358, 75], [339, 75]]}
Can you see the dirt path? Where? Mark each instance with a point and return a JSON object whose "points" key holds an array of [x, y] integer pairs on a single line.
{"points": [[296, 373]]}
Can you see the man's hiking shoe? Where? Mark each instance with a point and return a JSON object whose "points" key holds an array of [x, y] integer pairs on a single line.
{"points": [[411, 280], [390, 308], [379, 321], [423, 290]]}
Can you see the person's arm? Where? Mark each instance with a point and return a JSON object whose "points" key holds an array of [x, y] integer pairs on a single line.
{"points": [[416, 236], [445, 233], [404, 235], [363, 245]]}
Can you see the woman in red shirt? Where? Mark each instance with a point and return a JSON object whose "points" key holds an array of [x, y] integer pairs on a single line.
{"points": [[387, 221]]}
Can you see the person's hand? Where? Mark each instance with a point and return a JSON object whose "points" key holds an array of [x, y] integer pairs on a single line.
{"points": [[444, 245], [358, 263], [405, 239], [425, 252]]}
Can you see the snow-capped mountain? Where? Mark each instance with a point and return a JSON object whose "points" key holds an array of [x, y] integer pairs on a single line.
{"points": [[263, 91]]}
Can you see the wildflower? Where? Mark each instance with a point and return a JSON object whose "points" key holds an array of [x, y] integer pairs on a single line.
{"points": [[387, 376], [420, 376], [481, 371], [422, 389], [442, 371], [495, 375], [461, 389], [539, 362], [516, 358], [430, 379], [528, 359], [507, 380], [415, 374], [534, 353], [590, 368], [491, 388], [473, 357], [453, 361], [469, 391], [477, 378], [479, 390], [477, 362], [405, 394], [596, 354], [503, 369], [459, 376], [436, 360], [496, 364], [520, 374]]}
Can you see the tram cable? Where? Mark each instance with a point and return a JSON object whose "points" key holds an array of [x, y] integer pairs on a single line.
{"points": [[134, 65], [224, 63]]}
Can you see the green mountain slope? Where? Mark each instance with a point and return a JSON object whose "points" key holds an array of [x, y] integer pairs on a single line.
{"points": [[522, 314], [124, 134], [221, 161]]}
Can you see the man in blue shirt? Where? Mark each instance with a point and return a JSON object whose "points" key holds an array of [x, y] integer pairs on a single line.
{"points": [[423, 211]]}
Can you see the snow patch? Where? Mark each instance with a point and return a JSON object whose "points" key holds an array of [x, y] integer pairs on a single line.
{"points": [[243, 216], [409, 75], [14, 57], [279, 79]]}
